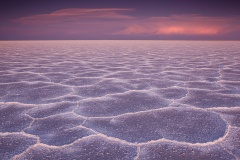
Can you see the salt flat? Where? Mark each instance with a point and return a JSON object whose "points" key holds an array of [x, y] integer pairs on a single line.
{"points": [[142, 100]]}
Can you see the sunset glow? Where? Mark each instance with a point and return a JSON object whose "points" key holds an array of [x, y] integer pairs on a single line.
{"points": [[120, 22], [187, 30]]}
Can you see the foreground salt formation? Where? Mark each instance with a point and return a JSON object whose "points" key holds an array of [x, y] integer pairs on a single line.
{"points": [[120, 100]]}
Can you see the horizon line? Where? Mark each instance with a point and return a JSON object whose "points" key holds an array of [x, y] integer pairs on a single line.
{"points": [[119, 39]]}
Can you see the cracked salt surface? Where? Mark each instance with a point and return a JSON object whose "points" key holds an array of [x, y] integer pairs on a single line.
{"points": [[136, 100]]}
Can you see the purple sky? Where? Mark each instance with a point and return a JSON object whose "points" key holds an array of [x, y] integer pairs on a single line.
{"points": [[119, 19]]}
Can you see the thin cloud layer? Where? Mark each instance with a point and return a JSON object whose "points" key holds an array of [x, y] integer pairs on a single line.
{"points": [[75, 23], [75, 15]]}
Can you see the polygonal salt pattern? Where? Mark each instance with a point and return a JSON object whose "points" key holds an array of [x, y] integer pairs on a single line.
{"points": [[126, 100]]}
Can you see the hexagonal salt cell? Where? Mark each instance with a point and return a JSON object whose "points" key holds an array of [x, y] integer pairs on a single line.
{"points": [[179, 124]]}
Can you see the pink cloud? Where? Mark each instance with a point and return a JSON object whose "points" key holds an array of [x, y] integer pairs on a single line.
{"points": [[183, 25]]}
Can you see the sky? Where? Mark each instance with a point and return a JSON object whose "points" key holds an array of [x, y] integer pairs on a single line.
{"points": [[119, 19]]}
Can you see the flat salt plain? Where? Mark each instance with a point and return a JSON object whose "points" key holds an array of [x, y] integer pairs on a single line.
{"points": [[120, 100]]}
